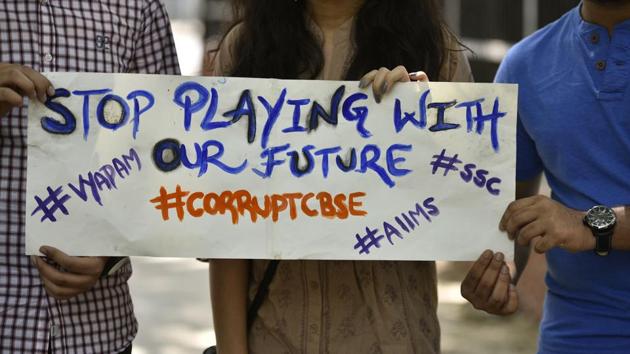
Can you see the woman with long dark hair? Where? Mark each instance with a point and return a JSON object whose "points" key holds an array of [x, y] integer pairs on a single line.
{"points": [[333, 306]]}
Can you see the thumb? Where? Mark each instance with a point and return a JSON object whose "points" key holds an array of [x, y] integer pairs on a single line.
{"points": [[512, 304]]}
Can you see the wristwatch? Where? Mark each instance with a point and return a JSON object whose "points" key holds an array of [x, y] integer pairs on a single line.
{"points": [[601, 220], [112, 265]]}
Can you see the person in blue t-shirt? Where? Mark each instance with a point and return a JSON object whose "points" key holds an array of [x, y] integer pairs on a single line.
{"points": [[574, 125]]}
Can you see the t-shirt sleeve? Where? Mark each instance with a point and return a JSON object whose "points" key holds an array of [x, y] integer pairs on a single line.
{"points": [[155, 52], [528, 162]]}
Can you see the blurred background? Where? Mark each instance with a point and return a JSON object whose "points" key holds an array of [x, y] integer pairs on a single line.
{"points": [[171, 295]]}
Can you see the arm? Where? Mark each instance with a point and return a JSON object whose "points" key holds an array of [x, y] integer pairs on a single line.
{"points": [[621, 237], [455, 69], [228, 292], [76, 276], [17, 82], [155, 53], [383, 80], [552, 224]]}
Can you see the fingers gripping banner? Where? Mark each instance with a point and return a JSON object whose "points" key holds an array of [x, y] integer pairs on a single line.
{"points": [[259, 168]]}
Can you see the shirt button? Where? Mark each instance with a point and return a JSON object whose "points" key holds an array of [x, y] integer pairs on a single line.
{"points": [[595, 38], [48, 57], [54, 331], [600, 65]]}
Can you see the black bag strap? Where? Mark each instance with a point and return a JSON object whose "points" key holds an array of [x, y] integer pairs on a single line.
{"points": [[261, 293]]}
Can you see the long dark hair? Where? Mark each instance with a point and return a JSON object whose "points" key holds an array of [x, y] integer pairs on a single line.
{"points": [[274, 40]]}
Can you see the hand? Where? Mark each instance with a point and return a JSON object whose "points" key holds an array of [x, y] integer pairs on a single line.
{"points": [[487, 285], [383, 79], [79, 274], [17, 82], [554, 224]]}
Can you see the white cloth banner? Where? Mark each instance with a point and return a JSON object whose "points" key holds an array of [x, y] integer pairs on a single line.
{"points": [[143, 165]]}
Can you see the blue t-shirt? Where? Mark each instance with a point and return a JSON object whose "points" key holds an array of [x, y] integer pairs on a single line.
{"points": [[574, 124]]}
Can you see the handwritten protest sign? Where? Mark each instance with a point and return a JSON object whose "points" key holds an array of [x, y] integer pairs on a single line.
{"points": [[253, 168]]}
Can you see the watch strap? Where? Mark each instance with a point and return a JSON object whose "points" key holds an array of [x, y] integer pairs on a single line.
{"points": [[112, 265], [603, 242]]}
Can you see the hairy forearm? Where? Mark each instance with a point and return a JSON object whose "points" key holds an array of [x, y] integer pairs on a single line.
{"points": [[621, 237], [228, 292]]}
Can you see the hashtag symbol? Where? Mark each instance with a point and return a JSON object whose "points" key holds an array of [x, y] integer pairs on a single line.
{"points": [[167, 201], [51, 204], [368, 241], [445, 162]]}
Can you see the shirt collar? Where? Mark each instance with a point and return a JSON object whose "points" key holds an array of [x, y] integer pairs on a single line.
{"points": [[585, 27]]}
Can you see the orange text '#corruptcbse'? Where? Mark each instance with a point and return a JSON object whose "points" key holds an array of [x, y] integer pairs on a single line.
{"points": [[240, 202]]}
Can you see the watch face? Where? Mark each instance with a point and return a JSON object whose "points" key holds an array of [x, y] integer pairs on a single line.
{"points": [[600, 217]]}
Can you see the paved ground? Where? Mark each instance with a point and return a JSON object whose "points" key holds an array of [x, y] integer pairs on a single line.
{"points": [[172, 305]]}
